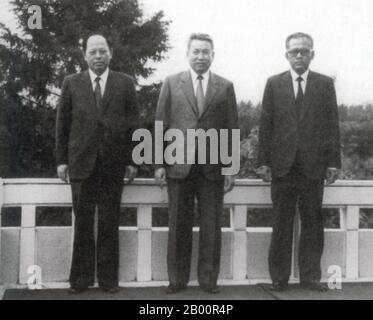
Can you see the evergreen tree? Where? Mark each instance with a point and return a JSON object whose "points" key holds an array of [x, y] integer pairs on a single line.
{"points": [[34, 63]]}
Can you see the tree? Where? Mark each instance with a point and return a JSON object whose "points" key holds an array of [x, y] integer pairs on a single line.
{"points": [[33, 65]]}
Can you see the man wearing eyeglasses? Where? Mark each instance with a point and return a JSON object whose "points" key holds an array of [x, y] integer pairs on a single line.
{"points": [[299, 150]]}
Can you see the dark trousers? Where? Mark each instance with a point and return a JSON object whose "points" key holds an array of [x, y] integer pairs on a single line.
{"points": [[104, 191], [182, 194], [286, 192]]}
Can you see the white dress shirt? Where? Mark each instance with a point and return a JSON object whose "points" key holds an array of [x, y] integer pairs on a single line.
{"points": [[205, 81], [295, 76], [103, 80]]}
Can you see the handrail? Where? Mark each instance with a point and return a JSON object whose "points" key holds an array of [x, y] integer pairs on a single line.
{"points": [[348, 196]]}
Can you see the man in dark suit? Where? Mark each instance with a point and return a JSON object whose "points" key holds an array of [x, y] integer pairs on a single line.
{"points": [[96, 116], [299, 147], [196, 99]]}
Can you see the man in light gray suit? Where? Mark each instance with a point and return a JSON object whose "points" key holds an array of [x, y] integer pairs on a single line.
{"points": [[196, 99]]}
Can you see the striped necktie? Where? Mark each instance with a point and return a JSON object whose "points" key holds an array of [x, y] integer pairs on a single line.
{"points": [[200, 95]]}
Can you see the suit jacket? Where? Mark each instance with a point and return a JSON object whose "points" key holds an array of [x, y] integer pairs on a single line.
{"points": [[177, 108], [314, 137], [83, 132]]}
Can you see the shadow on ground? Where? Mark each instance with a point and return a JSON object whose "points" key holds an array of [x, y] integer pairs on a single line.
{"points": [[352, 291]]}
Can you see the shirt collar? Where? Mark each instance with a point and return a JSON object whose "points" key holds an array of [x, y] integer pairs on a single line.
{"points": [[295, 75], [103, 77], [205, 75]]}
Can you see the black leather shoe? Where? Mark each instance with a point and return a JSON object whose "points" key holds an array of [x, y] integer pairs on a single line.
{"points": [[171, 289], [114, 289], [77, 290], [279, 286], [314, 286], [212, 290]]}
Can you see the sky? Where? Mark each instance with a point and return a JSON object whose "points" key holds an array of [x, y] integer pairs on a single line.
{"points": [[250, 38]]}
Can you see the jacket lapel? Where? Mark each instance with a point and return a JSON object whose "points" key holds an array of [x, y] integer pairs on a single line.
{"points": [[187, 88], [212, 90], [109, 91], [310, 89], [289, 91], [88, 91]]}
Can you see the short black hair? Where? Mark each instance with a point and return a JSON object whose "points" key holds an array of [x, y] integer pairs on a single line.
{"points": [[299, 35], [201, 37], [85, 41]]}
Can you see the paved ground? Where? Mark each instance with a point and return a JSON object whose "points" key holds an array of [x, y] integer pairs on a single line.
{"points": [[351, 291]]}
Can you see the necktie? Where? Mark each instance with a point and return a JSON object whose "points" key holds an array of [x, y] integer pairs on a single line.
{"points": [[300, 96], [200, 95], [98, 95]]}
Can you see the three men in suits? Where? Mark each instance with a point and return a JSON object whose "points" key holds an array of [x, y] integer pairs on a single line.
{"points": [[96, 116], [195, 99], [299, 147]]}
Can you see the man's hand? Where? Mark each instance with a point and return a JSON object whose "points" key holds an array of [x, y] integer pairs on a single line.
{"points": [[131, 173], [63, 172], [229, 183], [265, 173], [160, 177], [331, 175]]}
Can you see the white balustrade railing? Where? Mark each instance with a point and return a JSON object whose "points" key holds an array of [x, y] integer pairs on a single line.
{"points": [[348, 196]]}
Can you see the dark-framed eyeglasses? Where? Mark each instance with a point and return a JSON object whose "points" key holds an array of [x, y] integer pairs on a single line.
{"points": [[302, 52]]}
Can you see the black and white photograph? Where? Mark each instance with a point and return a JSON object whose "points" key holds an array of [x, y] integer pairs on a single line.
{"points": [[186, 155]]}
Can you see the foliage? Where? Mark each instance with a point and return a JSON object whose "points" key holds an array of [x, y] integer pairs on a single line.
{"points": [[33, 65], [356, 127]]}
